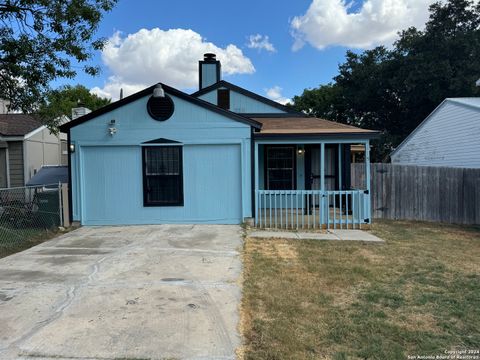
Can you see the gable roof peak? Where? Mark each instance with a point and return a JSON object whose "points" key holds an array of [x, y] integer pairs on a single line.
{"points": [[148, 91], [243, 91]]}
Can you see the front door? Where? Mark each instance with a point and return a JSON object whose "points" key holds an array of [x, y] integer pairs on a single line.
{"points": [[312, 167]]}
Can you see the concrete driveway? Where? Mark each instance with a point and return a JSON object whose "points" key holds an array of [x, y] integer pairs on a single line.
{"points": [[136, 292]]}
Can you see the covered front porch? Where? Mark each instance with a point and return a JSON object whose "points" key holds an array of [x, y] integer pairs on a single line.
{"points": [[304, 183]]}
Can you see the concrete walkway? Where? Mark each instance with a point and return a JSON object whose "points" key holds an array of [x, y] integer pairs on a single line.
{"points": [[137, 292], [346, 235]]}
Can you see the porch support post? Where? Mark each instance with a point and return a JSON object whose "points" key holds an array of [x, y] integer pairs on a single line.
{"points": [[322, 166], [322, 204], [340, 167], [367, 182], [367, 165], [256, 182]]}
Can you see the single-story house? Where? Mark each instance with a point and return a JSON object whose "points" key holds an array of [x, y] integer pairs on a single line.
{"points": [[448, 137], [25, 146], [220, 155]]}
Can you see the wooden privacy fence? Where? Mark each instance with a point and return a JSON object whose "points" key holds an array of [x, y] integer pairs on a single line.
{"points": [[450, 195]]}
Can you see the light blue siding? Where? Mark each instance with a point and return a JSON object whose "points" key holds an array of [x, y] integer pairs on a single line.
{"points": [[210, 97], [113, 192], [107, 171], [240, 103], [448, 137], [209, 75], [244, 104]]}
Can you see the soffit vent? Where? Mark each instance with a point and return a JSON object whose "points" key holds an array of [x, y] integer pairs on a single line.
{"points": [[160, 108]]}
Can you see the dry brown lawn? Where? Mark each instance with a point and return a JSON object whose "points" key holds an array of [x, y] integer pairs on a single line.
{"points": [[418, 294]]}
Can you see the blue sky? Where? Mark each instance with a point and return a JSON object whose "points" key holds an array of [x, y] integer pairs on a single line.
{"points": [[307, 39]]}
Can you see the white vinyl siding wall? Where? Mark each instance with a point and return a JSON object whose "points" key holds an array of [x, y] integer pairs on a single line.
{"points": [[450, 137]]}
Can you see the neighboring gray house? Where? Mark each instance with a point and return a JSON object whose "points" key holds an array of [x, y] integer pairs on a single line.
{"points": [[449, 137], [25, 146]]}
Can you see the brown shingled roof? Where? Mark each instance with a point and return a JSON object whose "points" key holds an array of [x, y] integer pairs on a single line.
{"points": [[17, 124], [307, 125]]}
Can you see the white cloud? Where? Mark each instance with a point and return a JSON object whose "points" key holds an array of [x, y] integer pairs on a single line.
{"points": [[275, 93], [168, 56], [260, 42], [112, 87], [377, 22]]}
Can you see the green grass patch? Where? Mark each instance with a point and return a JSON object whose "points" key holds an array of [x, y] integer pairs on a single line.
{"points": [[15, 240], [418, 294]]}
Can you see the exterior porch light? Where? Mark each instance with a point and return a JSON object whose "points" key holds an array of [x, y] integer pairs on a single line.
{"points": [[158, 91], [301, 151], [72, 148]]}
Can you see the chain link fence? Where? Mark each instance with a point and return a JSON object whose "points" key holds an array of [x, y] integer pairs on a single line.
{"points": [[28, 215]]}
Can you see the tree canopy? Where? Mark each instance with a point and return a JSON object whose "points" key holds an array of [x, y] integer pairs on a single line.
{"points": [[61, 101], [393, 90], [42, 40]]}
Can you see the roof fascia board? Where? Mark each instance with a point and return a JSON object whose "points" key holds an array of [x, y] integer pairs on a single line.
{"points": [[457, 102], [300, 137], [12, 138], [36, 131]]}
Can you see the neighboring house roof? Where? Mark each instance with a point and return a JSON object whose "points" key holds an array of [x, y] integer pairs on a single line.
{"points": [[49, 175], [471, 102], [18, 124], [281, 126], [233, 87], [168, 90]]}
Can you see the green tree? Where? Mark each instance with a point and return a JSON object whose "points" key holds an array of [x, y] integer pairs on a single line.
{"points": [[59, 102], [324, 101], [394, 90], [42, 40]]}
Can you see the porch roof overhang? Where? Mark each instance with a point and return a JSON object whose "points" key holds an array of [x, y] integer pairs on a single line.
{"points": [[293, 128], [316, 137]]}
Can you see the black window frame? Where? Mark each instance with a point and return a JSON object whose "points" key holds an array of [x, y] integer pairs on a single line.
{"points": [[150, 203], [266, 168]]}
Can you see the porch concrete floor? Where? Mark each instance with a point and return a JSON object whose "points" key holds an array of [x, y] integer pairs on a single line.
{"points": [[339, 235], [130, 292]]}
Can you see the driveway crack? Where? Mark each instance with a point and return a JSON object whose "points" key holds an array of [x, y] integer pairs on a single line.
{"points": [[60, 308]]}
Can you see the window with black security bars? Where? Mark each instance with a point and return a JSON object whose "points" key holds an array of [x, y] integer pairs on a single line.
{"points": [[163, 176], [280, 170]]}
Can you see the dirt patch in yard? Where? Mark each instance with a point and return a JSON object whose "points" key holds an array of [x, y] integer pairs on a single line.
{"points": [[278, 249]]}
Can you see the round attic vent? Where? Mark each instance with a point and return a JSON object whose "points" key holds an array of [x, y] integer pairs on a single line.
{"points": [[160, 108]]}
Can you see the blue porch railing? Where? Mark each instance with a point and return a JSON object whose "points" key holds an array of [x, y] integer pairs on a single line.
{"points": [[311, 209]]}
